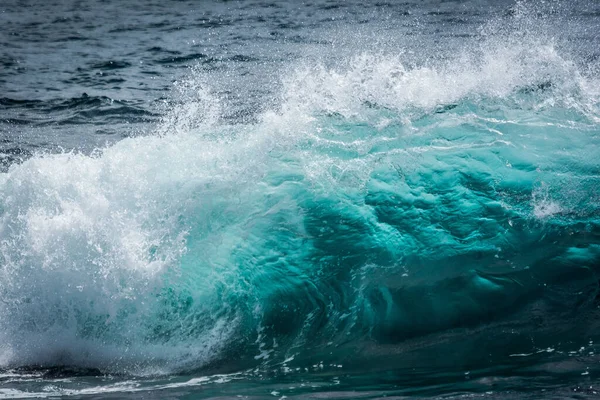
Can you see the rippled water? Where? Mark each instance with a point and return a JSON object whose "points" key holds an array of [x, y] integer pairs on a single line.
{"points": [[285, 200]]}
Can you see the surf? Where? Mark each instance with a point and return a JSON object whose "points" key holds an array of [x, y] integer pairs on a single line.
{"points": [[379, 208]]}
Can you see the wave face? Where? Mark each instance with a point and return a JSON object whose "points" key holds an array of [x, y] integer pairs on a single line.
{"points": [[382, 214]]}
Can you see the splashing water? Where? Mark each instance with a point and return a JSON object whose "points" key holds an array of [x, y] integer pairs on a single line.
{"points": [[379, 214]]}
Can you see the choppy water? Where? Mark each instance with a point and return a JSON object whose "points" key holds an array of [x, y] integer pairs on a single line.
{"points": [[282, 200]]}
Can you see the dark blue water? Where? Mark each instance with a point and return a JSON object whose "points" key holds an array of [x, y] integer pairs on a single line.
{"points": [[299, 200]]}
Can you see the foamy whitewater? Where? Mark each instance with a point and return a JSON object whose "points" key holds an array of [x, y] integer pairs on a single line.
{"points": [[384, 225]]}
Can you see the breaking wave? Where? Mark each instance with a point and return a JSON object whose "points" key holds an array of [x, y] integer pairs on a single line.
{"points": [[382, 207]]}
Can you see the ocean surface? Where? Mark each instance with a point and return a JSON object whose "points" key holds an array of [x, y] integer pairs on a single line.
{"points": [[299, 200]]}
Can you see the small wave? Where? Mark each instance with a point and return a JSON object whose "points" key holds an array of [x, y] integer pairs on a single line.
{"points": [[185, 59], [78, 110], [111, 65]]}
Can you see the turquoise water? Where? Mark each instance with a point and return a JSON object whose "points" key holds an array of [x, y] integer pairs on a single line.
{"points": [[383, 226]]}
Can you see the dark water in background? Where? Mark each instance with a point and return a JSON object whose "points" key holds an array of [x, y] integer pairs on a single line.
{"points": [[79, 74], [312, 200]]}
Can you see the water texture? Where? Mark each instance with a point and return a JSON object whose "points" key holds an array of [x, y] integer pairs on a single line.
{"points": [[299, 200]]}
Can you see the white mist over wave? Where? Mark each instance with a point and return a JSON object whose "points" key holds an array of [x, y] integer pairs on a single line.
{"points": [[88, 244], [493, 71]]}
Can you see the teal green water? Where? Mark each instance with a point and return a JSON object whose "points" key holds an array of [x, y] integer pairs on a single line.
{"points": [[385, 224]]}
